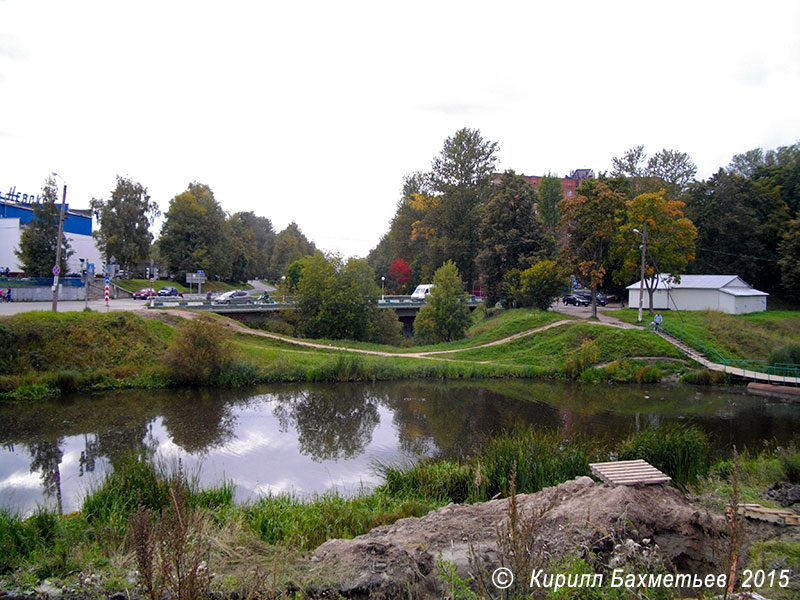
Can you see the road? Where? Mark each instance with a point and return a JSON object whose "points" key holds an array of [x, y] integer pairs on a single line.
{"points": [[12, 308]]}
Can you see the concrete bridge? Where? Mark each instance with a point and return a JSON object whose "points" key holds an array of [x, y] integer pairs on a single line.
{"points": [[405, 307]]}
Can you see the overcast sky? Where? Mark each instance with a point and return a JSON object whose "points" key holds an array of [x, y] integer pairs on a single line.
{"points": [[314, 111]]}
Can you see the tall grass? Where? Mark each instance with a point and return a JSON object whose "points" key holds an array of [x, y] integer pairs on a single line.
{"points": [[680, 451]]}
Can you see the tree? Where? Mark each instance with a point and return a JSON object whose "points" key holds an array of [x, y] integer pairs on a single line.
{"points": [[739, 226], [445, 316], [336, 300], [670, 169], [253, 242], [551, 193], [194, 234], [125, 221], [542, 283], [466, 161], [290, 245], [510, 232], [590, 221], [669, 244], [37, 242], [399, 276], [674, 168], [790, 258]]}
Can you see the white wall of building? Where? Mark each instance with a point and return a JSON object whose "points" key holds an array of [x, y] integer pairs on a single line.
{"points": [[9, 241], [82, 246]]}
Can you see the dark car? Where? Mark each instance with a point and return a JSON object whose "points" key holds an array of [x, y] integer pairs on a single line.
{"points": [[587, 295], [575, 300], [235, 297], [168, 291], [144, 294]]}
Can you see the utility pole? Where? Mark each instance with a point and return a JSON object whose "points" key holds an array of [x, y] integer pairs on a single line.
{"points": [[641, 281], [57, 266]]}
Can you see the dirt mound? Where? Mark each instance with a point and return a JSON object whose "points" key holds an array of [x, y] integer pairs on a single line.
{"points": [[784, 493], [578, 516]]}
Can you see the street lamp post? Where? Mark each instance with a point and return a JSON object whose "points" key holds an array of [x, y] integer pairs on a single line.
{"points": [[383, 281], [57, 266], [643, 233]]}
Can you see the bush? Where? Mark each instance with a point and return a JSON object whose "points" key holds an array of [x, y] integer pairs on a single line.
{"points": [[682, 452], [648, 374], [445, 316], [541, 284], [789, 354], [540, 458], [385, 328], [584, 358], [704, 377], [199, 351]]}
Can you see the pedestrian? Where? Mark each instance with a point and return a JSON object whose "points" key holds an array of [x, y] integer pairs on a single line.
{"points": [[657, 320], [622, 302], [8, 295]]}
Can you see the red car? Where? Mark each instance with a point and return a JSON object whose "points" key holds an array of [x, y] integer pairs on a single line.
{"points": [[144, 294]]}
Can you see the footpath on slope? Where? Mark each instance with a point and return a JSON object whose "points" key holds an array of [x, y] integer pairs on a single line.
{"points": [[606, 320]]}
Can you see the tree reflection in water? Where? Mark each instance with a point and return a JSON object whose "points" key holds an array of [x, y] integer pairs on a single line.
{"points": [[332, 424], [46, 457]]}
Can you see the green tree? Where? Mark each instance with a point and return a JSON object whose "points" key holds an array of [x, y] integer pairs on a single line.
{"points": [[336, 299], [670, 239], [590, 221], [445, 316], [790, 258], [670, 169], [125, 221], [510, 232], [252, 242], [739, 226], [551, 193], [290, 245], [37, 242], [195, 234], [542, 283]]}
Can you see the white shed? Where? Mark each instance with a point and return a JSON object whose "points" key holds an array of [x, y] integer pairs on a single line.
{"points": [[725, 293]]}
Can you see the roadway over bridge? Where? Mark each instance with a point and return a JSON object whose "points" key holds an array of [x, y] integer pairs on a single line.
{"points": [[405, 307]]}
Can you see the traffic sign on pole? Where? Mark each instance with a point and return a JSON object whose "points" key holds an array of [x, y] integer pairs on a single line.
{"points": [[56, 269]]}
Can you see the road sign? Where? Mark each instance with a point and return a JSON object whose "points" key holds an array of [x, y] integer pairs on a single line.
{"points": [[108, 281], [56, 269]]}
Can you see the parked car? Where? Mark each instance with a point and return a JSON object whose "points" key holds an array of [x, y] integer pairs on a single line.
{"points": [[144, 294], [587, 295], [234, 297], [168, 291], [576, 300]]}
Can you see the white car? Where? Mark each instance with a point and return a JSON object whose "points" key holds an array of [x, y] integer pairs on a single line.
{"points": [[234, 297], [422, 291]]}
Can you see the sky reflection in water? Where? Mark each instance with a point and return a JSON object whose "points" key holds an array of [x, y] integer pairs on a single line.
{"points": [[314, 438]]}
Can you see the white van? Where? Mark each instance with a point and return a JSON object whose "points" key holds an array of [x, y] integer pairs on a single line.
{"points": [[422, 291]]}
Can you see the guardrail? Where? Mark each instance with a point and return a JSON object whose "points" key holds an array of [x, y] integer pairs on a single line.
{"points": [[780, 371]]}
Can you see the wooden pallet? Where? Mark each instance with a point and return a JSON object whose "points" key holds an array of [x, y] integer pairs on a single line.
{"points": [[779, 516], [629, 472]]}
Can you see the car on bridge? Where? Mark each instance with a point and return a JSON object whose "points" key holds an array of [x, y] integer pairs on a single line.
{"points": [[234, 297], [144, 294], [169, 291], [422, 291]]}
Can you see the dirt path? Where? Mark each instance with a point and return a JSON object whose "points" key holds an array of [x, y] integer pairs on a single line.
{"points": [[607, 321]]}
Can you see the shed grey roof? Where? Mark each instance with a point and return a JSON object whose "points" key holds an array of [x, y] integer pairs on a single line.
{"points": [[743, 292], [692, 282]]}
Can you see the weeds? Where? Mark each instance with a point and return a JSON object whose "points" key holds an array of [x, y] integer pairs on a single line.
{"points": [[681, 452]]}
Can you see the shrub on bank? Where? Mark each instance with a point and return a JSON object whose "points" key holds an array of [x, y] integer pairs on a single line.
{"points": [[682, 452]]}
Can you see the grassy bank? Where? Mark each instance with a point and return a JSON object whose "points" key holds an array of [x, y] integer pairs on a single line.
{"points": [[93, 550], [751, 336], [44, 354]]}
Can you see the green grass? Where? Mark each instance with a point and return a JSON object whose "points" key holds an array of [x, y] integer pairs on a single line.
{"points": [[751, 336]]}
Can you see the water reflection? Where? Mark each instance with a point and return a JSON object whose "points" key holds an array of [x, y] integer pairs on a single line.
{"points": [[311, 438]]}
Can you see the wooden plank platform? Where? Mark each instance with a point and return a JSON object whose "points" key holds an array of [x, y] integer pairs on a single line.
{"points": [[779, 516], [629, 472]]}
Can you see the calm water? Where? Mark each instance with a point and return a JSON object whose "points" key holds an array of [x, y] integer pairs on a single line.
{"points": [[309, 439]]}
